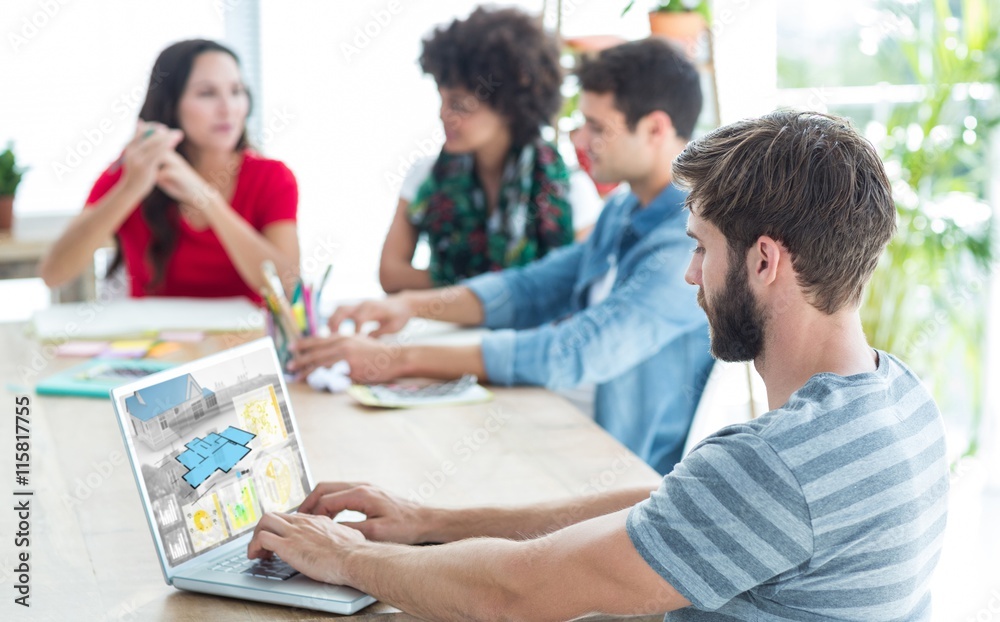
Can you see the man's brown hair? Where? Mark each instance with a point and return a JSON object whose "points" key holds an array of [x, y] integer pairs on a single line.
{"points": [[644, 76], [808, 180]]}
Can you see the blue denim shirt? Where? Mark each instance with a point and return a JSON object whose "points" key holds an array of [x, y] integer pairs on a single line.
{"points": [[645, 345]]}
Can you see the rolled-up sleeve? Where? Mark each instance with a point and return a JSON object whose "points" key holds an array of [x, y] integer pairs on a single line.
{"points": [[498, 350], [495, 295], [644, 312], [531, 295]]}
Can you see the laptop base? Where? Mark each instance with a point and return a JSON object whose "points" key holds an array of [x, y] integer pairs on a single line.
{"points": [[299, 591]]}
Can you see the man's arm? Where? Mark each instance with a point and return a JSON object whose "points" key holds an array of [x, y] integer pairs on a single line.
{"points": [[455, 304], [516, 298], [446, 304], [590, 567], [644, 312], [374, 361], [393, 519], [525, 523]]}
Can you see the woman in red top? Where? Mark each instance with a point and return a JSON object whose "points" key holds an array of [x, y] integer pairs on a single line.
{"points": [[193, 211]]}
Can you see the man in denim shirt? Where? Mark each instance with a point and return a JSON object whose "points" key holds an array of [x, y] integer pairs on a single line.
{"points": [[614, 311]]}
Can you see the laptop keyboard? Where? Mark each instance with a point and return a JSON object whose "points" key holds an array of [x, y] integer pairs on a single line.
{"points": [[274, 568]]}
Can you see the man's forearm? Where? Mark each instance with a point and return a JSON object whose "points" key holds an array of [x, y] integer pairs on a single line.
{"points": [[446, 304], [589, 567], [442, 362], [461, 581], [522, 523]]}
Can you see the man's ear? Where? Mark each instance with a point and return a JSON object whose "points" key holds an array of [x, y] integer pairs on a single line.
{"points": [[661, 126], [764, 258]]}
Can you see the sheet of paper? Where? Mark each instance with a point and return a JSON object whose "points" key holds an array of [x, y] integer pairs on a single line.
{"points": [[146, 317], [183, 336]]}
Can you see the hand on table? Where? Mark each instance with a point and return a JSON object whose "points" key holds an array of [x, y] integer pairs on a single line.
{"points": [[388, 518], [371, 361], [314, 545]]}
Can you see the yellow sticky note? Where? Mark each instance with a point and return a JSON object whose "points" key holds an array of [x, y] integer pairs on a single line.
{"points": [[162, 349]]}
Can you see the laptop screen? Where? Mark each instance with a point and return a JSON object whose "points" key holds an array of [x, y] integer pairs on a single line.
{"points": [[215, 446]]}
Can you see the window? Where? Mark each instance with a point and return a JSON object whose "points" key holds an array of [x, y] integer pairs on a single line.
{"points": [[921, 86], [85, 85]]}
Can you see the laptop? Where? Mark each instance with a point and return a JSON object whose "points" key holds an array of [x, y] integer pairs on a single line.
{"points": [[213, 445]]}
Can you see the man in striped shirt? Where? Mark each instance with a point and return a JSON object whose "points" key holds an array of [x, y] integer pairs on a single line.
{"points": [[830, 506]]}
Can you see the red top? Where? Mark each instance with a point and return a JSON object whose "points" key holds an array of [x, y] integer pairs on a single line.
{"points": [[265, 193]]}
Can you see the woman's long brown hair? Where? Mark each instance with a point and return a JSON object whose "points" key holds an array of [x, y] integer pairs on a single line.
{"points": [[166, 86]]}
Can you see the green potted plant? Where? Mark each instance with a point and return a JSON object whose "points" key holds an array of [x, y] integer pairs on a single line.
{"points": [[681, 20], [10, 177], [927, 301]]}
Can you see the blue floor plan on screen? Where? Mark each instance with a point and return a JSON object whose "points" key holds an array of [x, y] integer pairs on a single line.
{"points": [[215, 452]]}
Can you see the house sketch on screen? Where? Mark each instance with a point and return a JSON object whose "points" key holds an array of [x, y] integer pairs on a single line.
{"points": [[162, 412]]}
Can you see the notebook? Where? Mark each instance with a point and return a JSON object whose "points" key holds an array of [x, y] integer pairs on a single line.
{"points": [[214, 445], [96, 377]]}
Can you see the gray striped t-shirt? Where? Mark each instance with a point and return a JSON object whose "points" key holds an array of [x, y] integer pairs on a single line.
{"points": [[830, 507]]}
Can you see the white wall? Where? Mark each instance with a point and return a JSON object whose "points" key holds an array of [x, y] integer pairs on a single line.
{"points": [[343, 100], [746, 52], [74, 75]]}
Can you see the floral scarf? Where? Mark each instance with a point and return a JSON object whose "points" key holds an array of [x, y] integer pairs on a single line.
{"points": [[531, 218]]}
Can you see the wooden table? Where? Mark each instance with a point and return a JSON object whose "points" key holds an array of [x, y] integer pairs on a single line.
{"points": [[22, 249], [91, 551]]}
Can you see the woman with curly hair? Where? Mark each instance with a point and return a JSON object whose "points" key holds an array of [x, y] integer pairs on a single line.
{"points": [[497, 195], [193, 210]]}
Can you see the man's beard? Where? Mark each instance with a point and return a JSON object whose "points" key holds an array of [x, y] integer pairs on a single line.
{"points": [[736, 321]]}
